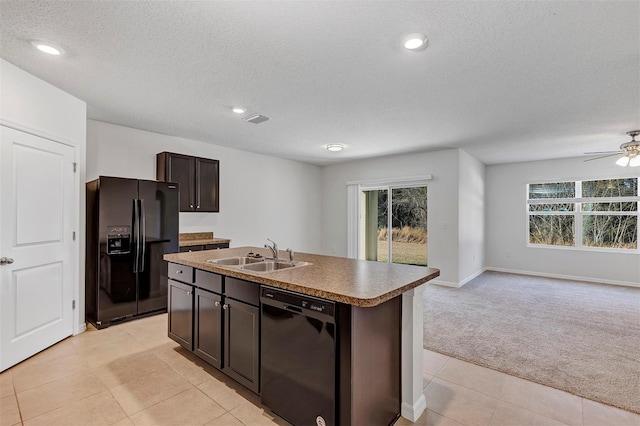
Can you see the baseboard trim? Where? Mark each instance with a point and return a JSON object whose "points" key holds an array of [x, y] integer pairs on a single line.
{"points": [[444, 283], [81, 328], [563, 277], [413, 412], [461, 283], [472, 276]]}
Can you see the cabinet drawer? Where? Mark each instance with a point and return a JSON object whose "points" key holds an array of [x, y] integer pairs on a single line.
{"points": [[216, 246], [187, 249], [244, 291], [181, 273], [209, 281]]}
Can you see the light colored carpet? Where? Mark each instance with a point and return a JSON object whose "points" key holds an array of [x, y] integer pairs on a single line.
{"points": [[579, 337]]}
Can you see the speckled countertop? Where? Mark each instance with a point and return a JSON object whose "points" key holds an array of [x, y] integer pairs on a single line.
{"points": [[355, 282], [188, 239]]}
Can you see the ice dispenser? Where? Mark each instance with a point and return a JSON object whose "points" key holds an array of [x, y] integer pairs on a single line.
{"points": [[118, 239]]}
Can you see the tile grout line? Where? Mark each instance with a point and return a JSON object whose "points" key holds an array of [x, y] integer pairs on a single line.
{"points": [[116, 400], [15, 395], [473, 390], [205, 394], [500, 398]]}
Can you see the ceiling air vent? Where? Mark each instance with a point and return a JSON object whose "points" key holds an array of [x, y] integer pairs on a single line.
{"points": [[255, 118]]}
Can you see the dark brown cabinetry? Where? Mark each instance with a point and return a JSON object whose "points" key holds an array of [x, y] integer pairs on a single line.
{"points": [[208, 327], [242, 333], [218, 319], [199, 180], [180, 307], [204, 247]]}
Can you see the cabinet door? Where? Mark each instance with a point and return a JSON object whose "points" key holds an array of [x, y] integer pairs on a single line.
{"points": [[241, 340], [181, 168], [208, 327], [180, 307], [207, 185]]}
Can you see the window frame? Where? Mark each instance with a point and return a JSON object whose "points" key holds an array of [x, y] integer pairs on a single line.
{"points": [[578, 213]]}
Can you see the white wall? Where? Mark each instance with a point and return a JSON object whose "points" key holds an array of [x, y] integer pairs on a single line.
{"points": [[506, 223], [34, 106], [471, 214], [443, 204], [260, 196]]}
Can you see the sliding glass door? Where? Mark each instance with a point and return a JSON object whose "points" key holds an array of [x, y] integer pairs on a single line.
{"points": [[394, 224]]}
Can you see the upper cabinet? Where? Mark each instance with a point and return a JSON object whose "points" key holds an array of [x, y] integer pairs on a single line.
{"points": [[199, 180]]}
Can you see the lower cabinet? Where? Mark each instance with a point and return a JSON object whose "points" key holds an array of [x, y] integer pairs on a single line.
{"points": [[180, 307], [207, 342], [241, 341], [222, 326]]}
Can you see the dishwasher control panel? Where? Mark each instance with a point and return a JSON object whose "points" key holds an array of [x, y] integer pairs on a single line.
{"points": [[299, 300]]}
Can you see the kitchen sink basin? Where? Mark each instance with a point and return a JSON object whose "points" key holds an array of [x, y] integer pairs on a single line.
{"points": [[273, 266], [236, 261], [257, 264]]}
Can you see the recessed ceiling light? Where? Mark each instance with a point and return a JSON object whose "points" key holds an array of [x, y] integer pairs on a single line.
{"points": [[415, 41], [49, 48], [335, 147], [239, 110]]}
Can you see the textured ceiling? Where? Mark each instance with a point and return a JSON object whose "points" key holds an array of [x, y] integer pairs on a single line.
{"points": [[505, 81]]}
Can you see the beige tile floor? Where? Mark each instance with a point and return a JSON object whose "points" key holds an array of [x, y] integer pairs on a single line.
{"points": [[132, 374]]}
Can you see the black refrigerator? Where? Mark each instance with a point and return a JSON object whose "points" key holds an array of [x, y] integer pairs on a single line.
{"points": [[131, 224]]}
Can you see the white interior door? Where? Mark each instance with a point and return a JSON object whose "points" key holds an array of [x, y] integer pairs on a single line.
{"points": [[37, 199]]}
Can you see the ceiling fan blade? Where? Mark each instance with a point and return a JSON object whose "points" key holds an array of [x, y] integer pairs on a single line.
{"points": [[602, 156], [603, 152]]}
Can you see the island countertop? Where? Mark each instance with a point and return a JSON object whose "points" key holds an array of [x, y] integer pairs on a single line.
{"points": [[355, 282]]}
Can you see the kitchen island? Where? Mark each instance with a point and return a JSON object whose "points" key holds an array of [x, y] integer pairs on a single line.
{"points": [[378, 322]]}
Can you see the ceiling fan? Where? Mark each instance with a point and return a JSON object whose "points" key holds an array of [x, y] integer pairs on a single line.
{"points": [[630, 152]]}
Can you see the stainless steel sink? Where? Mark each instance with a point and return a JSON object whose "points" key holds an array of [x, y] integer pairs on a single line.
{"points": [[270, 266], [259, 264], [236, 261]]}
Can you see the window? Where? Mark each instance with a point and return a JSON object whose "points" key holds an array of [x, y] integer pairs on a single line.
{"points": [[584, 214]]}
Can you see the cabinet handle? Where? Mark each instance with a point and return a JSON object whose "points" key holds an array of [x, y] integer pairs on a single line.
{"points": [[189, 293], [197, 207], [190, 206], [179, 271], [216, 303], [225, 306]]}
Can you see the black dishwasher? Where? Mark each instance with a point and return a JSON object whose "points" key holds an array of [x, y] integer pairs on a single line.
{"points": [[298, 357]]}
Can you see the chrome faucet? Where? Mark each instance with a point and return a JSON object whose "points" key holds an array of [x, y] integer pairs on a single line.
{"points": [[274, 249]]}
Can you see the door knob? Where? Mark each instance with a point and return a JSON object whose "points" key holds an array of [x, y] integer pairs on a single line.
{"points": [[6, 261]]}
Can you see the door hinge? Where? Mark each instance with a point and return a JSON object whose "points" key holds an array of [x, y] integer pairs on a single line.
{"points": [[74, 235], [75, 167], [73, 304]]}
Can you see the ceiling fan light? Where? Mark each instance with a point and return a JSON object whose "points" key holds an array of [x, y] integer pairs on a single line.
{"points": [[623, 161], [634, 161]]}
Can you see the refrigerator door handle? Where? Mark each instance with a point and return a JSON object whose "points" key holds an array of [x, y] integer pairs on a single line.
{"points": [[143, 233], [136, 234]]}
